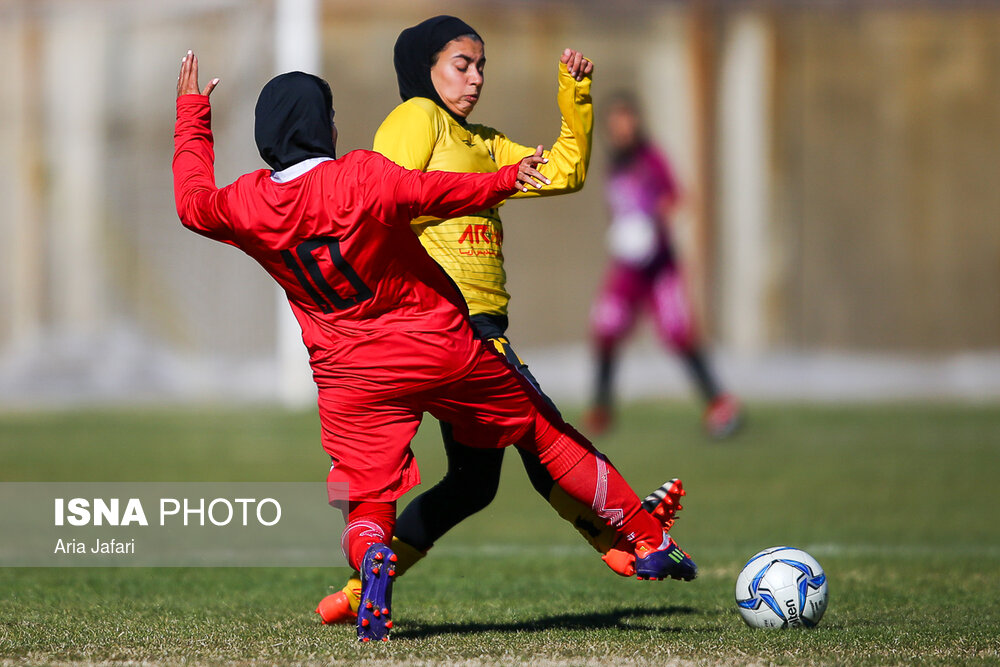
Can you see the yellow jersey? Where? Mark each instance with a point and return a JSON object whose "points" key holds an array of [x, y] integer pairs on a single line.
{"points": [[419, 134]]}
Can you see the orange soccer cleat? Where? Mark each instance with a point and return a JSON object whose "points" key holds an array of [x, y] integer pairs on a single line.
{"points": [[342, 606]]}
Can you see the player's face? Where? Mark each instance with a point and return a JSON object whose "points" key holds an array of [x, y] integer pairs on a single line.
{"points": [[623, 127], [458, 76]]}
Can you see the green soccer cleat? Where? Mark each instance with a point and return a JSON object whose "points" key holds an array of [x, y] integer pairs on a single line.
{"points": [[667, 562]]}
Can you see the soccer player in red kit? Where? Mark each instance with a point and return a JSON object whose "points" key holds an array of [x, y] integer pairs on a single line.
{"points": [[387, 332]]}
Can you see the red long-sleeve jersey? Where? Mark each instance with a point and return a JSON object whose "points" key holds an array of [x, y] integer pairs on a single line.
{"points": [[378, 315]]}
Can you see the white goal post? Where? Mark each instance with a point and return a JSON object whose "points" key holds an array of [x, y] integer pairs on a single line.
{"points": [[296, 47]]}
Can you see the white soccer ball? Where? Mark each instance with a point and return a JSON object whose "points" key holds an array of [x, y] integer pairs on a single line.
{"points": [[781, 587]]}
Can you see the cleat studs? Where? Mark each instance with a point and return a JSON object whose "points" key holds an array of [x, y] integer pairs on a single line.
{"points": [[364, 622], [385, 639], [393, 558], [392, 573], [368, 604], [378, 556], [366, 639], [388, 625], [376, 613], [385, 610], [375, 570]]}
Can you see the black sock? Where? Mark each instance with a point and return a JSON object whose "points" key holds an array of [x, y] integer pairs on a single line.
{"points": [[540, 478], [605, 375], [469, 485], [697, 367]]}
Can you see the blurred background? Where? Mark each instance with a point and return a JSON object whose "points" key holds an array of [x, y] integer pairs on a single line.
{"points": [[840, 223]]}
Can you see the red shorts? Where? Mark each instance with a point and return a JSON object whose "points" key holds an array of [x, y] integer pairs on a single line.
{"points": [[368, 436]]}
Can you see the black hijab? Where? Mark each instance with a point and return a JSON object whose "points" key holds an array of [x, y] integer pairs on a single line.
{"points": [[292, 120], [415, 49]]}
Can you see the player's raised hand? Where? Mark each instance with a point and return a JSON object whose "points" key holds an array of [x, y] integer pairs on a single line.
{"points": [[577, 65], [528, 176], [187, 80]]}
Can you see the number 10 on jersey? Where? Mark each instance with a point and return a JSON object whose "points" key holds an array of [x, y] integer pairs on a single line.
{"points": [[304, 262]]}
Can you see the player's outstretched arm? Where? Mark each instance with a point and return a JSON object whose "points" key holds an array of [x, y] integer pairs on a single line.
{"points": [[569, 157], [198, 204], [445, 194]]}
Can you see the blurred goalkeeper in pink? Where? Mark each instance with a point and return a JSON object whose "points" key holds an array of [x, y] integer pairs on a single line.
{"points": [[642, 194]]}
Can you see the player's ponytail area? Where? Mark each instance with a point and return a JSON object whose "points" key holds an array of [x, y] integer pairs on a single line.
{"points": [[896, 502]]}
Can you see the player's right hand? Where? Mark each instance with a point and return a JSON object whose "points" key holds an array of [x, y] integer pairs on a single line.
{"points": [[528, 176], [187, 80]]}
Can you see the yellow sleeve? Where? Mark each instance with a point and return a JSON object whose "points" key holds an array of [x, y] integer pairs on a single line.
{"points": [[409, 133], [569, 156]]}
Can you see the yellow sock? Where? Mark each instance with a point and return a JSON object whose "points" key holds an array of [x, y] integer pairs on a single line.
{"points": [[353, 591], [595, 530], [407, 556]]}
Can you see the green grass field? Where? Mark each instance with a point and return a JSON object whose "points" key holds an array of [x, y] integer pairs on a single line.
{"points": [[899, 504]]}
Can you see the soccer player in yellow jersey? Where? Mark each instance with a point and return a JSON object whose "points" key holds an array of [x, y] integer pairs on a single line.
{"points": [[440, 67]]}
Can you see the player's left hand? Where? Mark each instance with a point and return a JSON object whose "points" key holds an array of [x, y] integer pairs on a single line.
{"points": [[577, 65], [187, 80]]}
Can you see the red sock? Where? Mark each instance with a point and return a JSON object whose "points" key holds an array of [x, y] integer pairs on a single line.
{"points": [[590, 478], [367, 523]]}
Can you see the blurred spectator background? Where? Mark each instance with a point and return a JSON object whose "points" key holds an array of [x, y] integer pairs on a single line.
{"points": [[841, 221]]}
